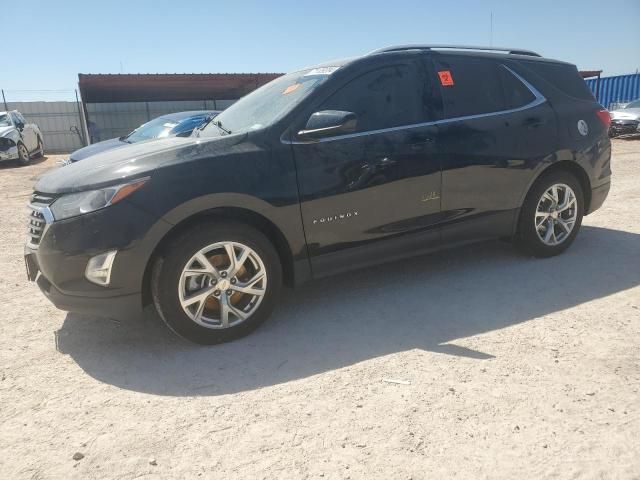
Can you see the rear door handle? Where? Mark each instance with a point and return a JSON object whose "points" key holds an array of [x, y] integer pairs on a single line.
{"points": [[535, 122]]}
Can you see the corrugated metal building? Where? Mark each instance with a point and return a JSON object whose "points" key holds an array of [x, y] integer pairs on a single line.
{"points": [[614, 90]]}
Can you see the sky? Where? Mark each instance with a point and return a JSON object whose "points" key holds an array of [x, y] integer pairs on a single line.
{"points": [[58, 39]]}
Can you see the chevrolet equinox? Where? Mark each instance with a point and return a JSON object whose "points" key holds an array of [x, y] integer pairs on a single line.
{"points": [[396, 153]]}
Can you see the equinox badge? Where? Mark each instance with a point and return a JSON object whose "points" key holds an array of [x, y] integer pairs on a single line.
{"points": [[339, 216]]}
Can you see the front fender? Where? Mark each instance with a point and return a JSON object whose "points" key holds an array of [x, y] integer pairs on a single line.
{"points": [[286, 219]]}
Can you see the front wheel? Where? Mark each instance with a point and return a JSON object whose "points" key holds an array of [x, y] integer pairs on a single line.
{"points": [[23, 154], [551, 215], [216, 282]]}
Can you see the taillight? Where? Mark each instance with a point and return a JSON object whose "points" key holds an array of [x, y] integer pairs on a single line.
{"points": [[604, 117]]}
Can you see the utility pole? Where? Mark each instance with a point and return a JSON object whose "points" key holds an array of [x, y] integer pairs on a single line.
{"points": [[491, 30], [4, 100]]}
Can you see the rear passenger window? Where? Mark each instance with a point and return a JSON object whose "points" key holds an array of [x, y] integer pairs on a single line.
{"points": [[475, 86], [383, 98], [516, 93]]}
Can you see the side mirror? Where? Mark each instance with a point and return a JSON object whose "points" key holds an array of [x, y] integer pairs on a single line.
{"points": [[329, 122], [20, 126]]}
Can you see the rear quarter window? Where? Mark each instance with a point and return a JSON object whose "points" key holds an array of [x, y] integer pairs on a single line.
{"points": [[564, 77], [516, 93]]}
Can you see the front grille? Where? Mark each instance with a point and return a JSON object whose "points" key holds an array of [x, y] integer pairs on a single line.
{"points": [[37, 222]]}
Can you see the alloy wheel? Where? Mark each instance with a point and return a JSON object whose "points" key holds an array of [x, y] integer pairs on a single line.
{"points": [[23, 153], [556, 214], [222, 285]]}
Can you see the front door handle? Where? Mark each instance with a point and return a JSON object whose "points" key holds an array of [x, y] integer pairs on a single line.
{"points": [[385, 162]]}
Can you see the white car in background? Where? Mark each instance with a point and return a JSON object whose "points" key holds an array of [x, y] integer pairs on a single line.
{"points": [[625, 120], [19, 140]]}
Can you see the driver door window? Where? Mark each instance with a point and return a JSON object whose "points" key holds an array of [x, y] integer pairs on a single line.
{"points": [[382, 98]]}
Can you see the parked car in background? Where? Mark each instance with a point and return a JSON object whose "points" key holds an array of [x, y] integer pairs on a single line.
{"points": [[19, 139], [626, 120], [352, 163], [179, 124]]}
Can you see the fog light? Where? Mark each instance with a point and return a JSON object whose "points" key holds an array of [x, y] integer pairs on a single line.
{"points": [[98, 269]]}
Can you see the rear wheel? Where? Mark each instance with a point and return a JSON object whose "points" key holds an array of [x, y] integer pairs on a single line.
{"points": [[23, 154], [551, 215], [216, 282]]}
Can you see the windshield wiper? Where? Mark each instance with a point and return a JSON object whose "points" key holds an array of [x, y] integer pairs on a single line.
{"points": [[209, 120], [218, 124]]}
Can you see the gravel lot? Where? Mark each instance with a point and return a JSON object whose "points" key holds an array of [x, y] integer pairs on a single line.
{"points": [[508, 367]]}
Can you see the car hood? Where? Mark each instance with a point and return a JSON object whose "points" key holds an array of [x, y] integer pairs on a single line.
{"points": [[94, 148], [5, 130], [626, 114], [133, 161]]}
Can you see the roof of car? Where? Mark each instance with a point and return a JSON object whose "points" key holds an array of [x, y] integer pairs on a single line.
{"points": [[473, 51]]}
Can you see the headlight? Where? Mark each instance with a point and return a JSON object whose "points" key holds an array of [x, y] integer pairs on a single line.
{"points": [[85, 202]]}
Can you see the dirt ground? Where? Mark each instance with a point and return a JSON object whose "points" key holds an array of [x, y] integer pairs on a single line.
{"points": [[474, 363]]}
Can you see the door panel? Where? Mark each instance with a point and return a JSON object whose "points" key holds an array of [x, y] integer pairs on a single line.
{"points": [[481, 168], [382, 182], [356, 190], [491, 146]]}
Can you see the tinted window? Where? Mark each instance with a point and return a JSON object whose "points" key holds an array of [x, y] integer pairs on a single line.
{"points": [[564, 77], [516, 93], [471, 86], [188, 124], [383, 98], [15, 118]]}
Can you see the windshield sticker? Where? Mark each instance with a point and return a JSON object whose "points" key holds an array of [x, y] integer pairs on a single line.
{"points": [[321, 71], [291, 88], [446, 79]]}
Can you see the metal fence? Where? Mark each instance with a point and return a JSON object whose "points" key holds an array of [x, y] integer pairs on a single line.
{"points": [[116, 119], [616, 90], [60, 120]]}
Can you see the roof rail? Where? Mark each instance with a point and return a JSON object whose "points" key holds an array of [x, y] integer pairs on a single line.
{"points": [[510, 51]]}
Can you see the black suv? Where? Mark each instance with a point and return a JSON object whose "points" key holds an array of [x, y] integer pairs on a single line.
{"points": [[400, 152]]}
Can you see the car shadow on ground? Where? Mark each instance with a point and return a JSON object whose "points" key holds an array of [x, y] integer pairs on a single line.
{"points": [[10, 164], [424, 303]]}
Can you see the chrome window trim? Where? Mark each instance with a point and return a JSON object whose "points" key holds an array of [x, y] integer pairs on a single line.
{"points": [[538, 100]]}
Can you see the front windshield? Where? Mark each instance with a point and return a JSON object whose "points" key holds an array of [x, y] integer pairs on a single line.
{"points": [[4, 120], [268, 103], [634, 104], [160, 127]]}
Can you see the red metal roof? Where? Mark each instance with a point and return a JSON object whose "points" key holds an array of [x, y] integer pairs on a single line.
{"points": [[590, 73], [105, 88]]}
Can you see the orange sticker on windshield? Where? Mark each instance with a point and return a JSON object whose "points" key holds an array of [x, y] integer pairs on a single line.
{"points": [[446, 79], [291, 88]]}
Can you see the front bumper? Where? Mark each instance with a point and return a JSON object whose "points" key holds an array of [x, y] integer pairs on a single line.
{"points": [[59, 261], [121, 306], [624, 127], [10, 153]]}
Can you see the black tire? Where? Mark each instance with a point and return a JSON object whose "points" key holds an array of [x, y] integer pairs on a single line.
{"points": [[23, 154], [39, 150], [169, 265], [527, 238]]}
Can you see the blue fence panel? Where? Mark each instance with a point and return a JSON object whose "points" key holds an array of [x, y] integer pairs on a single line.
{"points": [[620, 89]]}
